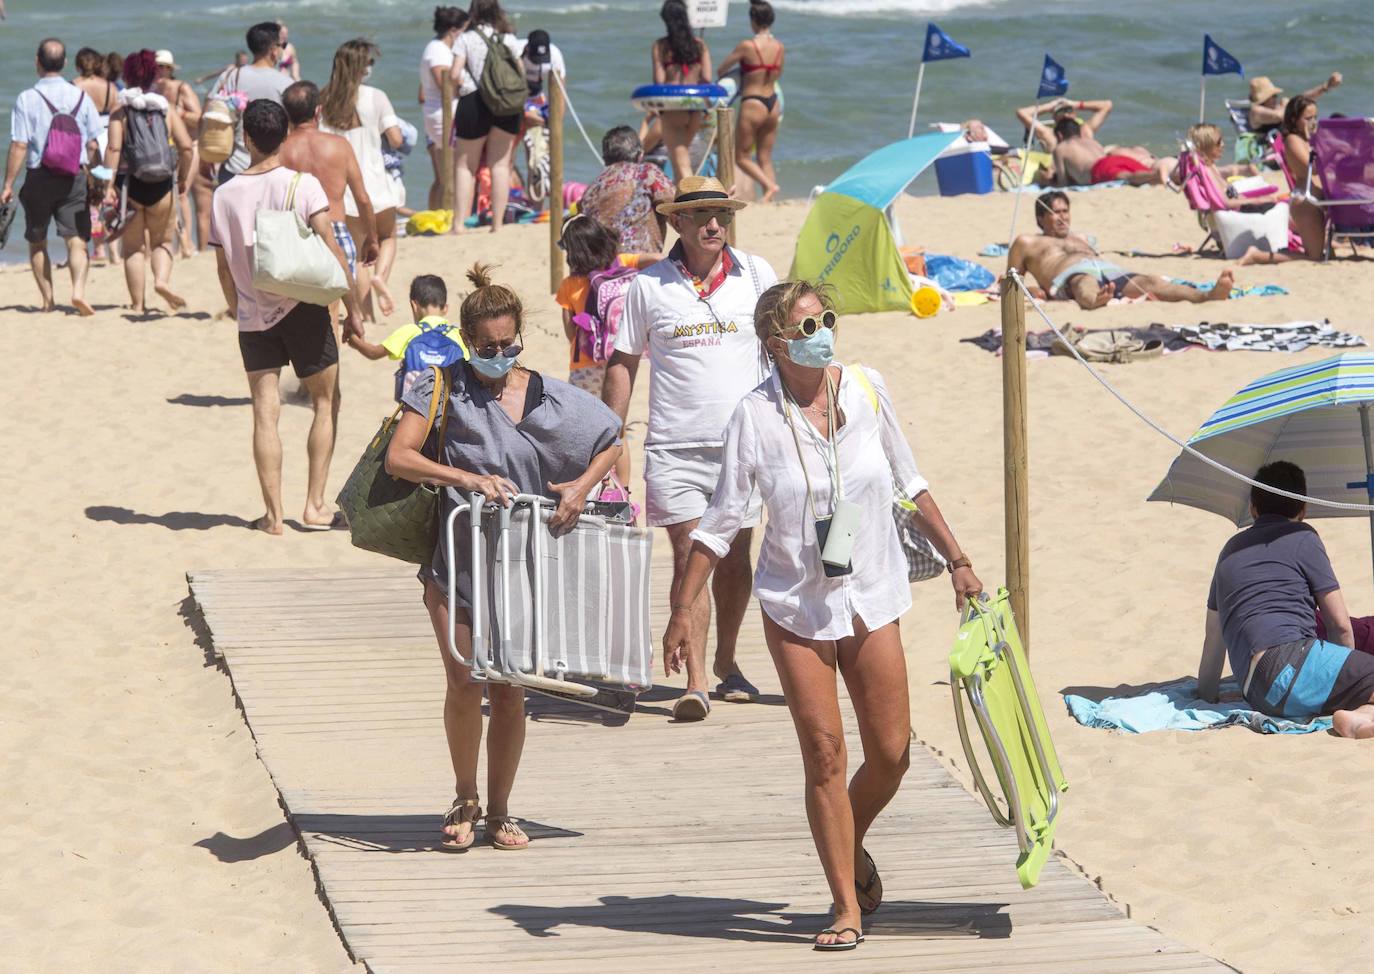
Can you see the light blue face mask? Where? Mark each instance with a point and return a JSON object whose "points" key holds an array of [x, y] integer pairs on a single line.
{"points": [[815, 352], [495, 367]]}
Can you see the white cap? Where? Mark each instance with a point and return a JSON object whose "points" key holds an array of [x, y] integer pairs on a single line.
{"points": [[164, 57]]}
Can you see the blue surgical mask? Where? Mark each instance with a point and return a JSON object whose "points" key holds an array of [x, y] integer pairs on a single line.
{"points": [[494, 367], [815, 352]]}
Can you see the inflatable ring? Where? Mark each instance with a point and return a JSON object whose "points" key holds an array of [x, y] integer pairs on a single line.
{"points": [[677, 98]]}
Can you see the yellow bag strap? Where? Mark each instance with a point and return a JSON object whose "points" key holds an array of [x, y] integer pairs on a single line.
{"points": [[438, 403], [291, 193], [861, 377]]}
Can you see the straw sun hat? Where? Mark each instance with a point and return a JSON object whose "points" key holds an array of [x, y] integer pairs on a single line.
{"points": [[700, 193], [1262, 89]]}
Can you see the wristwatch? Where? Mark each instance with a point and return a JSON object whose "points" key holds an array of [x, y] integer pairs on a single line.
{"points": [[961, 562]]}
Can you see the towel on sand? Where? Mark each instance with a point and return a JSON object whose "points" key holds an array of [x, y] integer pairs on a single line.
{"points": [[1176, 706], [1253, 291]]}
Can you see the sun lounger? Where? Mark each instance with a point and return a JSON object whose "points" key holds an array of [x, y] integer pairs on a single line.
{"points": [[567, 616], [988, 667], [1233, 231], [1341, 150]]}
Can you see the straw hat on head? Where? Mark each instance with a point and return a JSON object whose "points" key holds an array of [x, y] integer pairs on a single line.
{"points": [[164, 59], [1262, 89], [700, 193]]}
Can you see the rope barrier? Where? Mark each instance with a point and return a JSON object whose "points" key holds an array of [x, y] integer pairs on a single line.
{"points": [[1215, 464], [567, 99]]}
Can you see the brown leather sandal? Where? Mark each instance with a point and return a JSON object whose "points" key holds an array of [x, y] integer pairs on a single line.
{"points": [[503, 833], [463, 811]]}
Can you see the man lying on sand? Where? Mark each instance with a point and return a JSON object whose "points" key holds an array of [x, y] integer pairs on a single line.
{"points": [[1269, 581], [1081, 160], [1067, 265]]}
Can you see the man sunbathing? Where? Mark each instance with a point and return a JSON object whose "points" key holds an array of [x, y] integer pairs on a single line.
{"points": [[1067, 265], [1081, 160], [1269, 582]]}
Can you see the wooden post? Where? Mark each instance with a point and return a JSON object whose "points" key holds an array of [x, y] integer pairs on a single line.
{"points": [[446, 150], [555, 182], [1014, 451], [725, 157]]}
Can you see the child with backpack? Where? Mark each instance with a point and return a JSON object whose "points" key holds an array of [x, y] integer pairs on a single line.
{"points": [[430, 340], [592, 297]]}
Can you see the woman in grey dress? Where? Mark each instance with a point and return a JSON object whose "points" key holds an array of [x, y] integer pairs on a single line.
{"points": [[510, 431]]}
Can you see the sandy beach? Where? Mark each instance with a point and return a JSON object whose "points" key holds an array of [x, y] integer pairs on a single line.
{"points": [[140, 831]]}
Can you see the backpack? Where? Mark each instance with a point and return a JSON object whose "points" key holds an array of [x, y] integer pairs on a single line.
{"points": [[432, 346], [599, 322], [65, 147], [502, 86], [147, 146]]}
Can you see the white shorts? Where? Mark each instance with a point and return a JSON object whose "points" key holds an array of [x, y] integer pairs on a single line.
{"points": [[678, 485], [434, 126]]}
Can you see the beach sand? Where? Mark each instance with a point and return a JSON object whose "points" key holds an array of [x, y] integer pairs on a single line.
{"points": [[140, 832]]}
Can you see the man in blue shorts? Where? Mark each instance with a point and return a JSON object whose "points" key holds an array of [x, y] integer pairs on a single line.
{"points": [[1269, 582]]}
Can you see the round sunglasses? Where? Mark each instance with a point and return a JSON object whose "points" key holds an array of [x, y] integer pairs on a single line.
{"points": [[493, 350], [811, 324]]}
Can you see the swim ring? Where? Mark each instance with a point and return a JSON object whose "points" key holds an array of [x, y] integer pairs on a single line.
{"points": [[677, 98]]}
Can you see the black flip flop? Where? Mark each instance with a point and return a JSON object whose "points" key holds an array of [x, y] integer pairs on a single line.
{"points": [[839, 944], [7, 212], [866, 889]]}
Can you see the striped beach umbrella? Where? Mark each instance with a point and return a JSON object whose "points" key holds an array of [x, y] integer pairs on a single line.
{"points": [[1316, 415]]}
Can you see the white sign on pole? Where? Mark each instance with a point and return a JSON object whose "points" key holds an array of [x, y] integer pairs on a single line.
{"points": [[707, 13]]}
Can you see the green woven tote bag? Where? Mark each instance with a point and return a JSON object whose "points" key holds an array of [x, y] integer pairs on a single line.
{"points": [[394, 517]]}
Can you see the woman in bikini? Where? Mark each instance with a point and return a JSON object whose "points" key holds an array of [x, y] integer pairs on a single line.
{"points": [[186, 103], [1306, 217], [90, 66], [680, 58], [760, 62]]}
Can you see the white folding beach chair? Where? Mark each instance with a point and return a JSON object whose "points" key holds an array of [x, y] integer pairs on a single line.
{"points": [[567, 617]]}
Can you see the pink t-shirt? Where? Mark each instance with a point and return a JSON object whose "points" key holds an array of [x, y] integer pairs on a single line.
{"points": [[232, 216]]}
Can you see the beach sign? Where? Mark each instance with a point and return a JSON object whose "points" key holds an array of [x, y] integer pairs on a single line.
{"points": [[707, 13], [939, 47]]}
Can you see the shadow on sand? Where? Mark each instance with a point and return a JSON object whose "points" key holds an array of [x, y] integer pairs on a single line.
{"points": [[172, 520], [191, 399]]}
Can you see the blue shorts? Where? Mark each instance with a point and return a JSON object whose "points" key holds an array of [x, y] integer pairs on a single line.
{"points": [[345, 241], [1310, 677]]}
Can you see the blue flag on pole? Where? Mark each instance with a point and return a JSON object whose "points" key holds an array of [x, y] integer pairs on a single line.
{"points": [[940, 46], [1053, 79], [1216, 61]]}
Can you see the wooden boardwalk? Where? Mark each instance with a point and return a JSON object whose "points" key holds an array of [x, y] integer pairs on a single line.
{"points": [[657, 846]]}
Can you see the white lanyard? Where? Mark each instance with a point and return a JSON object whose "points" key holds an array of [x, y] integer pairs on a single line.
{"points": [[830, 456]]}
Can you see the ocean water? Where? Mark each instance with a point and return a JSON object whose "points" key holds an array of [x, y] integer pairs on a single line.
{"points": [[851, 64]]}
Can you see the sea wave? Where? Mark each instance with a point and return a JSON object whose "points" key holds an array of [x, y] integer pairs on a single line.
{"points": [[874, 8]]}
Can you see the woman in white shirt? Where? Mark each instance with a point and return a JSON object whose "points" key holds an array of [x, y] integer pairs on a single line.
{"points": [[474, 126], [436, 63], [821, 441], [363, 115]]}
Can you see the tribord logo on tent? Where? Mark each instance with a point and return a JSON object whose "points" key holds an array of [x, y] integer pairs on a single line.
{"points": [[837, 248]]}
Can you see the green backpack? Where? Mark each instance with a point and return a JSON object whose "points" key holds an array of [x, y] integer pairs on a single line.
{"points": [[502, 86]]}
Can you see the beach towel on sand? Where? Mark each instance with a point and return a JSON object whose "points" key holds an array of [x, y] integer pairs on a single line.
{"points": [[1176, 706]]}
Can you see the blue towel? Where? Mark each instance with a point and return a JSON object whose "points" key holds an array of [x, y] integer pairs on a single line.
{"points": [[1176, 706], [1253, 291]]}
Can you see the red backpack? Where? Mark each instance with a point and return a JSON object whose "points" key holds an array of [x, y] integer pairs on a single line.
{"points": [[65, 147]]}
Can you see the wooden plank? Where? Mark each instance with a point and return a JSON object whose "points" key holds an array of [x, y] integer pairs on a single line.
{"points": [[340, 685]]}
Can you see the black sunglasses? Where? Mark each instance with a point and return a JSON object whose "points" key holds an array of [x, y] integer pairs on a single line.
{"points": [[493, 350], [809, 325]]}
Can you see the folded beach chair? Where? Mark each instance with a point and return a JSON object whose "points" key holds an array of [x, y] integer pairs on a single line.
{"points": [[988, 667], [1234, 232], [1341, 150], [567, 617], [1249, 146]]}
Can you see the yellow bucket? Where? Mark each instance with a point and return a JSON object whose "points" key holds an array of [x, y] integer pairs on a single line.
{"points": [[925, 301]]}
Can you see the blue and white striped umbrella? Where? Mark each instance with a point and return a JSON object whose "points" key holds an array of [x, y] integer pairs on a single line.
{"points": [[1316, 415]]}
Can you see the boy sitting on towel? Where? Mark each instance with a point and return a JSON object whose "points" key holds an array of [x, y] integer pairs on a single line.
{"points": [[1261, 614]]}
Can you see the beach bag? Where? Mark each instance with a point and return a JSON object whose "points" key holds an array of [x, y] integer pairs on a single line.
{"points": [[64, 148], [290, 260], [599, 321], [395, 517], [432, 347], [1109, 345], [923, 562], [502, 85], [147, 145], [216, 141]]}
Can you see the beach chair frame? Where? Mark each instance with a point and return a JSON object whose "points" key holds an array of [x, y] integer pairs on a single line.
{"points": [[987, 646], [1327, 205], [495, 664]]}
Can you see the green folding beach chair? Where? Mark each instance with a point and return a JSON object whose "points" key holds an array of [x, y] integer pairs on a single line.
{"points": [[989, 666]]}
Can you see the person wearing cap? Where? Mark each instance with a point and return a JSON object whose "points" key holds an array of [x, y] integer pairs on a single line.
{"points": [[540, 58], [692, 313], [182, 98], [1267, 105]]}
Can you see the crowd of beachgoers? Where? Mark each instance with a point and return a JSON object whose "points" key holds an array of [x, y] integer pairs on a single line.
{"points": [[749, 408]]}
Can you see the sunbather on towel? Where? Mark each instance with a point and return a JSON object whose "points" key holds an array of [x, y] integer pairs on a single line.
{"points": [[1068, 267], [1261, 616], [1080, 159]]}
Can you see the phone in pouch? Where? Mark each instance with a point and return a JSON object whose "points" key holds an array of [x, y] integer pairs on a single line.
{"points": [[835, 536]]}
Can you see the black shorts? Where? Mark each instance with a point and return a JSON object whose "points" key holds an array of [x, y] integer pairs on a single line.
{"points": [[304, 338], [473, 119], [46, 197]]}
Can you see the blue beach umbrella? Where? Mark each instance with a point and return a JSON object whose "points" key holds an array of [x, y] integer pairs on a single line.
{"points": [[1316, 415]]}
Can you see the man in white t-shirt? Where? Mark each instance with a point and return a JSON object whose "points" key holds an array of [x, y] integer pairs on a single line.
{"points": [[275, 331], [693, 314]]}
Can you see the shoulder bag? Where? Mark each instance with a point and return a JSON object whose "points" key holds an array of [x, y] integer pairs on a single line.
{"points": [[291, 260]]}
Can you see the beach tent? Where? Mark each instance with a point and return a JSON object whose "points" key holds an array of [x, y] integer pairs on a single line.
{"points": [[850, 239]]}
